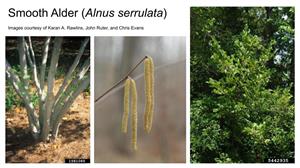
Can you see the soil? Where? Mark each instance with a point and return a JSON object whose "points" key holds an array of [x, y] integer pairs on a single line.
{"points": [[73, 141]]}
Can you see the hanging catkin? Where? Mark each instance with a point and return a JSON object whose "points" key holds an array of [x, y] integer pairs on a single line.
{"points": [[151, 93], [126, 105], [133, 114], [149, 84], [130, 96]]}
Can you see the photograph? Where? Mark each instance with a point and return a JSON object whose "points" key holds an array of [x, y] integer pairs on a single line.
{"points": [[242, 85], [140, 99], [47, 99]]}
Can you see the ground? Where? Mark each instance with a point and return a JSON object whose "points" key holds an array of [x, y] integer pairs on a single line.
{"points": [[73, 141]]}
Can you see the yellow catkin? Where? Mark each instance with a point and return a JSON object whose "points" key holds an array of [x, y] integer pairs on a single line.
{"points": [[150, 117], [147, 92], [133, 114], [126, 106], [149, 84]]}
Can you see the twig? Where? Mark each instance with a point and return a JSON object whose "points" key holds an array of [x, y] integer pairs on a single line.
{"points": [[122, 80]]}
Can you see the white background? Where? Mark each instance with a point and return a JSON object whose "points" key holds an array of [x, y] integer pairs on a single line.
{"points": [[176, 24]]}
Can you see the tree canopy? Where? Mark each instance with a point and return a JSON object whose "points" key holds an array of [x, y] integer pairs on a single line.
{"points": [[242, 84]]}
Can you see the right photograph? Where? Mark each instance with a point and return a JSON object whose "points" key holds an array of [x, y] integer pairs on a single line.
{"points": [[242, 85]]}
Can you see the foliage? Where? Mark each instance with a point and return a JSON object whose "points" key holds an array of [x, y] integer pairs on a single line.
{"points": [[242, 105], [87, 91], [11, 98]]}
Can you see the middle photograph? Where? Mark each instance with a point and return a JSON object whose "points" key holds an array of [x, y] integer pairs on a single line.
{"points": [[140, 99]]}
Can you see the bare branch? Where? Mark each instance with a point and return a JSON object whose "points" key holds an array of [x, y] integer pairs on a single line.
{"points": [[28, 53], [32, 63], [81, 87], [53, 65], [120, 81], [71, 88], [23, 62], [44, 62], [72, 68], [31, 50]]}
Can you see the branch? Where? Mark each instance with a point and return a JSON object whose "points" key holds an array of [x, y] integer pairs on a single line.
{"points": [[44, 62], [35, 74], [31, 50], [23, 62], [47, 108], [42, 81], [81, 87], [80, 76], [122, 80], [24, 95], [32, 63], [72, 68], [53, 65], [28, 53], [24, 89]]}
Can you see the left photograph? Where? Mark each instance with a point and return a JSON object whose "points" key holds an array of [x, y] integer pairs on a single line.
{"points": [[47, 99]]}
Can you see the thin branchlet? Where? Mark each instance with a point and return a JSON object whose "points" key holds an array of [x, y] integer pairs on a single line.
{"points": [[120, 81]]}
